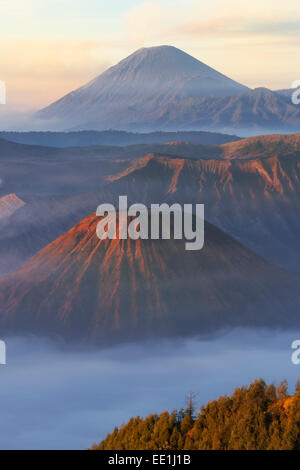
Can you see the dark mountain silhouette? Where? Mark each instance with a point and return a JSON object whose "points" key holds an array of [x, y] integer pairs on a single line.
{"points": [[114, 138], [13, 149], [81, 287], [29, 170]]}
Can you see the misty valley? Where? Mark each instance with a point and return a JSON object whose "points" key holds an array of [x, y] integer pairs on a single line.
{"points": [[60, 397], [137, 315]]}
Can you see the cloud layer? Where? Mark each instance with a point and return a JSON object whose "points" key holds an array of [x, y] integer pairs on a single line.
{"points": [[53, 397]]}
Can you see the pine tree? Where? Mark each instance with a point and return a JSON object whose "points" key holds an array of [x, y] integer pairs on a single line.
{"points": [[257, 417]]}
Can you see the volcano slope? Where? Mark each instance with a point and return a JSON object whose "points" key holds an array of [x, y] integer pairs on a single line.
{"points": [[83, 288], [250, 188]]}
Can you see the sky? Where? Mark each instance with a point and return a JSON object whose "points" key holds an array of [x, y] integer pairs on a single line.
{"points": [[50, 47]]}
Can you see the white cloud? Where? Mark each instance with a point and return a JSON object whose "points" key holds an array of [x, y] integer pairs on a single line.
{"points": [[214, 18], [245, 40]]}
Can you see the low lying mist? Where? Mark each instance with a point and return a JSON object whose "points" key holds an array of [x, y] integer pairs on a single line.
{"points": [[52, 397]]}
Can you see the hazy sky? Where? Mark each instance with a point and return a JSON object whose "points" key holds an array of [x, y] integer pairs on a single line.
{"points": [[49, 47]]}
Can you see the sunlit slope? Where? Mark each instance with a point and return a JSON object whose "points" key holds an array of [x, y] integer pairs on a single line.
{"points": [[83, 287]]}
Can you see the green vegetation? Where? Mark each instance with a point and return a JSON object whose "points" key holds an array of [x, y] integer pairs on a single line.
{"points": [[260, 417]]}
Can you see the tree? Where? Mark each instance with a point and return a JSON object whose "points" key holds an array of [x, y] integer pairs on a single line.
{"points": [[254, 417], [191, 403], [282, 390]]}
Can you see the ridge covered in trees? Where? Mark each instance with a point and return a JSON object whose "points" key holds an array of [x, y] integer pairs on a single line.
{"points": [[258, 417]]}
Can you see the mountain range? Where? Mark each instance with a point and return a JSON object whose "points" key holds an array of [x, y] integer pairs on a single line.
{"points": [[250, 189], [57, 277], [164, 88], [114, 138]]}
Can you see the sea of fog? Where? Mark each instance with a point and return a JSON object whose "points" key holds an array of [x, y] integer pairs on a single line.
{"points": [[52, 397]]}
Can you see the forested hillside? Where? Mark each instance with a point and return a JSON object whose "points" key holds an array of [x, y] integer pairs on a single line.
{"points": [[260, 417]]}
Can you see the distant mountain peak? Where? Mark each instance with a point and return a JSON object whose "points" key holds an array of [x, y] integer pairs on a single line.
{"points": [[156, 50], [163, 87], [135, 88]]}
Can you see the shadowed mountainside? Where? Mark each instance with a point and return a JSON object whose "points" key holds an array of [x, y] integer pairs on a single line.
{"points": [[61, 187], [250, 188], [114, 138], [250, 111]]}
